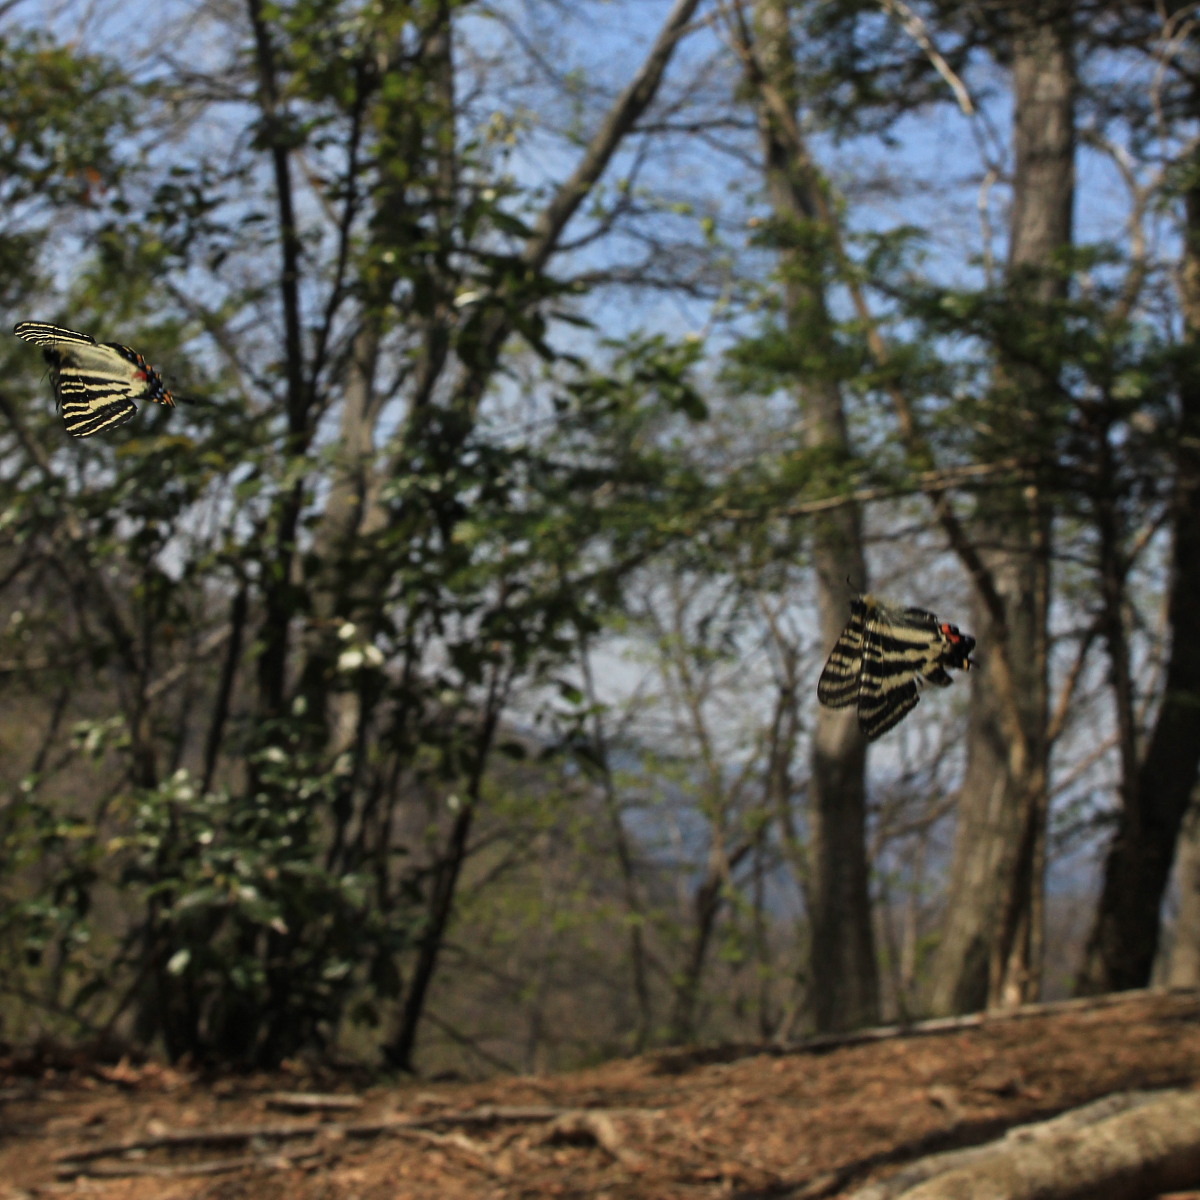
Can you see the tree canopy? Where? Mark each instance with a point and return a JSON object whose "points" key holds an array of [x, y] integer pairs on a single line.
{"points": [[436, 682]]}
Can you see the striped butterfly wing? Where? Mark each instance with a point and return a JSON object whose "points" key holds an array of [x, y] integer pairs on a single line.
{"points": [[896, 645], [41, 333], [96, 383], [880, 657], [93, 387], [838, 685], [900, 645]]}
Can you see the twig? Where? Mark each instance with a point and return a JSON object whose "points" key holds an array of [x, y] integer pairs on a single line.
{"points": [[233, 1135], [915, 28], [996, 474], [985, 223], [1066, 697], [312, 1102], [169, 678], [620, 119], [219, 1166]]}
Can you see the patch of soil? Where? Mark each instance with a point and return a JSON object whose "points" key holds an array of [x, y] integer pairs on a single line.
{"points": [[805, 1121]]}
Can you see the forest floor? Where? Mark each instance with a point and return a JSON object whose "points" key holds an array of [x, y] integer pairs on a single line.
{"points": [[803, 1121]]}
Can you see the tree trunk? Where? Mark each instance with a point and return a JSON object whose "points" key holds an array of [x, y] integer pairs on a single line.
{"points": [[479, 357], [1124, 937], [1152, 1146], [844, 977], [990, 952], [1183, 962], [398, 1051], [706, 905]]}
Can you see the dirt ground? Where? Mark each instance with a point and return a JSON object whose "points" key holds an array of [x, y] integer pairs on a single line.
{"points": [[802, 1121]]}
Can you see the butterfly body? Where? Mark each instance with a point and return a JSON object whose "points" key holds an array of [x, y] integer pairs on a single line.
{"points": [[880, 656], [97, 384]]}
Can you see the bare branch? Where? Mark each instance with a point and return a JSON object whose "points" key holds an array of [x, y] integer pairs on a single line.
{"points": [[916, 29], [623, 115]]}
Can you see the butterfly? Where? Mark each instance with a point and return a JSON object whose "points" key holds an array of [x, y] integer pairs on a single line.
{"points": [[96, 382], [877, 660]]}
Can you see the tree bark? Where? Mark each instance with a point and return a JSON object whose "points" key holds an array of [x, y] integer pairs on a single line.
{"points": [[843, 973], [706, 906], [1124, 937], [279, 593], [1183, 962], [990, 952], [624, 850], [398, 1051], [1152, 1148], [968, 1157]]}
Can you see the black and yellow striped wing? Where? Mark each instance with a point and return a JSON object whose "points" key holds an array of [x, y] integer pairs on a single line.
{"points": [[882, 655], [838, 685], [97, 384]]}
